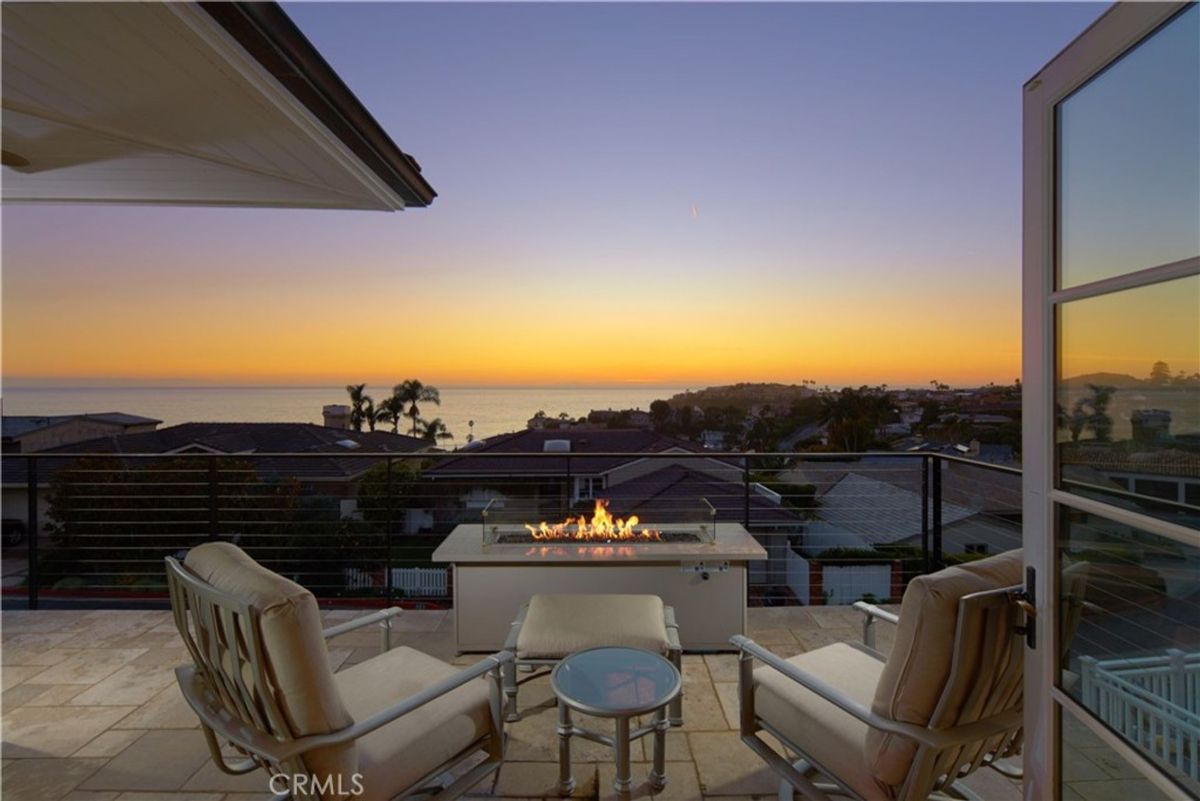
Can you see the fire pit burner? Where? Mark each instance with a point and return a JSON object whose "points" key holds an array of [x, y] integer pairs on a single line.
{"points": [[526, 537], [509, 522]]}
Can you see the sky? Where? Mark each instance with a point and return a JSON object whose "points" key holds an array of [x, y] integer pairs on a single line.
{"points": [[663, 194]]}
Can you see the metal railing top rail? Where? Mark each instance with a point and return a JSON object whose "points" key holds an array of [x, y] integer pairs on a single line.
{"points": [[481, 454]]}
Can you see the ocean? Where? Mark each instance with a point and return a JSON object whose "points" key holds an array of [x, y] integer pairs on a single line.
{"points": [[494, 410]]}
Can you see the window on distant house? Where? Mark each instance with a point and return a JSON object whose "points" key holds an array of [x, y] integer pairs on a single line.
{"points": [[586, 489]]}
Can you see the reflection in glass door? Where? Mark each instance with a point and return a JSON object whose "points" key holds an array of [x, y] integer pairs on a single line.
{"points": [[1113, 284]]}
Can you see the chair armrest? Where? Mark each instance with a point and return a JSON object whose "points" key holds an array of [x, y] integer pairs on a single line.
{"points": [[873, 612], [359, 622], [484, 666], [214, 716], [933, 738]]}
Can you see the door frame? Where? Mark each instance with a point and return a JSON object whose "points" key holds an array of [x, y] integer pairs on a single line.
{"points": [[1119, 29]]}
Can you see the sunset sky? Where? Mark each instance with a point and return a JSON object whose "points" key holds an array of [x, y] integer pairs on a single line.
{"points": [[664, 194]]}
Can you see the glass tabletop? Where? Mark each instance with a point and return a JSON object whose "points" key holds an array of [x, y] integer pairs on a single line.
{"points": [[615, 681]]}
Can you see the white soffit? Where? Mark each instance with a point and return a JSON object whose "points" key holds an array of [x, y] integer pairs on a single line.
{"points": [[154, 103]]}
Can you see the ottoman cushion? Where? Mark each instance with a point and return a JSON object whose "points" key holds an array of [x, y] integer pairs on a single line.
{"points": [[558, 625]]}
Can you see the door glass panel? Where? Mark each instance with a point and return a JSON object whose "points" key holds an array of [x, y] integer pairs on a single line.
{"points": [[1128, 399], [1129, 629], [1091, 771], [1129, 160]]}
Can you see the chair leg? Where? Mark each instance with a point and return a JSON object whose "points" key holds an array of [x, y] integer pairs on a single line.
{"points": [[675, 711], [509, 675]]}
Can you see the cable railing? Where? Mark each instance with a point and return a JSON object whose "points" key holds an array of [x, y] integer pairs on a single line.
{"points": [[360, 529]]}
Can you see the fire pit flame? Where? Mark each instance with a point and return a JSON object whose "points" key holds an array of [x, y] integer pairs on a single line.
{"points": [[603, 527]]}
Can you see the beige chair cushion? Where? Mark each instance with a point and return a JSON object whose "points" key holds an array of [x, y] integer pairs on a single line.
{"points": [[834, 740], [394, 757], [917, 668], [297, 660], [558, 625]]}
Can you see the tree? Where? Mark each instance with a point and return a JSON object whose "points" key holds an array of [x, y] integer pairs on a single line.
{"points": [[391, 410], [434, 430], [370, 413], [1160, 374], [358, 402], [660, 414], [412, 393], [1092, 412], [854, 415]]}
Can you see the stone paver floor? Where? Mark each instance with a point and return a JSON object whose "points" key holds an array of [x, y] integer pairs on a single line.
{"points": [[91, 713]]}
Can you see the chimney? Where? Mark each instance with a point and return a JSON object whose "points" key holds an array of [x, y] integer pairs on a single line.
{"points": [[337, 416]]}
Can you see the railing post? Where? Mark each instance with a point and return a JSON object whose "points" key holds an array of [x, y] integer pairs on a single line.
{"points": [[387, 517], [925, 462], [570, 490], [937, 514], [746, 497], [213, 488], [31, 532], [1178, 677]]}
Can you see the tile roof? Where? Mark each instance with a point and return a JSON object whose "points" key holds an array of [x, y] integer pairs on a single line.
{"points": [[18, 425], [878, 511], [245, 439], [676, 490], [509, 454]]}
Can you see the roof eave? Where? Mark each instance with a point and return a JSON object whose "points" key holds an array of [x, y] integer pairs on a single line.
{"points": [[270, 36]]}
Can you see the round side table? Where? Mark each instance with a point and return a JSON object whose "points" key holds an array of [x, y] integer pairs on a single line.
{"points": [[618, 683]]}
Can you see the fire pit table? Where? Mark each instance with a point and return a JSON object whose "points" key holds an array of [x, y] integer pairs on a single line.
{"points": [[618, 683], [696, 565]]}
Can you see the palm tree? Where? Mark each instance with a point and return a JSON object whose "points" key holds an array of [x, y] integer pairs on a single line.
{"points": [[358, 401], [434, 430], [413, 392], [391, 410], [370, 413]]}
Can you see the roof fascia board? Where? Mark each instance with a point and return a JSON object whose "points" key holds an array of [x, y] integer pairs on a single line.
{"points": [[207, 28]]}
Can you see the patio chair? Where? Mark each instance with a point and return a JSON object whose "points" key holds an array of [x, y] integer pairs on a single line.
{"points": [[946, 701], [393, 725], [551, 627]]}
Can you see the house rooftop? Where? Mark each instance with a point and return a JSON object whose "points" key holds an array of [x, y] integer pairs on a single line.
{"points": [[586, 449], [246, 439], [19, 425]]}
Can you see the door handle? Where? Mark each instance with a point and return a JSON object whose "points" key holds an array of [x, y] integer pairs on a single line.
{"points": [[1026, 601]]}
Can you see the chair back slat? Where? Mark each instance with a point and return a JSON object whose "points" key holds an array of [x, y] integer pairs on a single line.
{"points": [[986, 679], [213, 625]]}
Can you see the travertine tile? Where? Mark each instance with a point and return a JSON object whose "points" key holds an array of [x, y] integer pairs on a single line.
{"points": [[176, 796], [540, 780], [772, 636], [33, 655], [55, 694], [682, 782], [12, 675], [702, 710], [45, 779], [109, 743], [89, 666], [727, 767], [722, 667], [166, 710], [727, 694], [130, 686], [210, 778], [158, 760], [55, 731]]}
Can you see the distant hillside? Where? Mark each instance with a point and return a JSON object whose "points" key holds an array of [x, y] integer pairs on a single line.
{"points": [[1118, 380], [743, 396]]}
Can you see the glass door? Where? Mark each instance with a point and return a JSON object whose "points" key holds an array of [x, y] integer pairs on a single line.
{"points": [[1112, 409]]}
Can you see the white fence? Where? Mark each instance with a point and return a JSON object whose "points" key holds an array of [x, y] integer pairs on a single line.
{"points": [[413, 582], [798, 575], [1153, 701], [849, 583]]}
